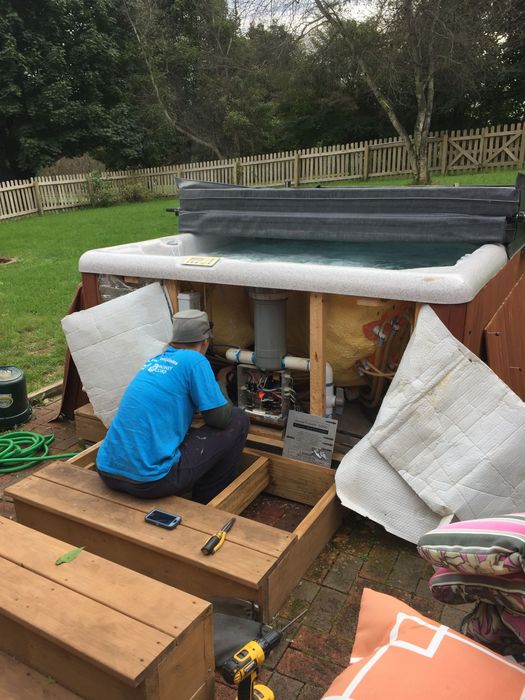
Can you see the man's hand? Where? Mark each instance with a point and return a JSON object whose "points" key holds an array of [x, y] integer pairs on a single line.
{"points": [[224, 375]]}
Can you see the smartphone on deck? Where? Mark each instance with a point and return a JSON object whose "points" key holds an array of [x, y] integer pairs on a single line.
{"points": [[163, 519]]}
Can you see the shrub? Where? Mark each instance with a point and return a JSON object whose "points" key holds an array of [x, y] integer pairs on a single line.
{"points": [[101, 191], [73, 166], [134, 190]]}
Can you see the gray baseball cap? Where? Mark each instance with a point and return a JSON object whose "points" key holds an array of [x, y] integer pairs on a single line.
{"points": [[191, 326]]}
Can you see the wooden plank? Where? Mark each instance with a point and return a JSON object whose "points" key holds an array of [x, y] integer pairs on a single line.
{"points": [[444, 154], [240, 560], [139, 556], [201, 518], [85, 628], [505, 340], [172, 288], [90, 291], [183, 670], [296, 480], [19, 682], [69, 670], [317, 355], [88, 426], [161, 607], [46, 392], [313, 533], [246, 487], [485, 304], [86, 458], [521, 157], [293, 485]]}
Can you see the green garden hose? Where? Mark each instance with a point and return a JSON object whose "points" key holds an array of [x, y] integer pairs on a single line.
{"points": [[20, 450]]}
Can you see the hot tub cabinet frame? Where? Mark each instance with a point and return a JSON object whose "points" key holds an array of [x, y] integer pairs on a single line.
{"points": [[91, 297], [471, 323]]}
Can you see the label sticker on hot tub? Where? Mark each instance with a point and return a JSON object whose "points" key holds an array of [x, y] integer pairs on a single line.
{"points": [[201, 260]]}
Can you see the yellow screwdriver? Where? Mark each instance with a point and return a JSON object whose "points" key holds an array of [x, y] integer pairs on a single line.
{"points": [[217, 540]]}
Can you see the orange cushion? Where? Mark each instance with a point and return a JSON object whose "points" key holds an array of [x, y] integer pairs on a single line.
{"points": [[401, 655]]}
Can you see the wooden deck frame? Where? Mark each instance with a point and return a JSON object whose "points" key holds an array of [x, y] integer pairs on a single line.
{"points": [[17, 680], [287, 559]]}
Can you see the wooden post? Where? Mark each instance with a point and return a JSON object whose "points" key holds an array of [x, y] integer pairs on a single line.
{"points": [[522, 146], [483, 145], [317, 355], [236, 173], [296, 169], [90, 290], [172, 289], [444, 153], [365, 162], [38, 197]]}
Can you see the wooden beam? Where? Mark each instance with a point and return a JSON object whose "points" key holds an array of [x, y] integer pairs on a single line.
{"points": [[90, 291], [46, 392], [317, 355], [87, 458], [505, 340], [172, 288], [246, 487], [313, 533], [296, 480]]}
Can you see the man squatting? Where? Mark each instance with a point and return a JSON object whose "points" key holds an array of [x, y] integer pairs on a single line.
{"points": [[150, 450]]}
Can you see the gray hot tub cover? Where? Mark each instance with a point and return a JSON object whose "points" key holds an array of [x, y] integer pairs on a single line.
{"points": [[487, 214]]}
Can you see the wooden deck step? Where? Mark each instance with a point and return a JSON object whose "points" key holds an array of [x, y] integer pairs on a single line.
{"points": [[100, 630], [20, 682], [258, 562]]}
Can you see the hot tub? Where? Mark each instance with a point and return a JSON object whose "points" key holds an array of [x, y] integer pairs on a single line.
{"points": [[443, 273]]}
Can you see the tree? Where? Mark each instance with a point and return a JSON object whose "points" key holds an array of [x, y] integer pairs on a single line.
{"points": [[324, 101], [62, 83], [405, 50], [184, 44], [415, 41]]}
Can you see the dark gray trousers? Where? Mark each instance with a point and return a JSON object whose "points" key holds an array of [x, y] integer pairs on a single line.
{"points": [[208, 463]]}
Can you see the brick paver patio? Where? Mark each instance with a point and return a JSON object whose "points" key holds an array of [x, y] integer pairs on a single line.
{"points": [[360, 555]]}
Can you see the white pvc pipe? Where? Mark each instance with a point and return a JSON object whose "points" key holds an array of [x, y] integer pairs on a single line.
{"points": [[302, 364], [243, 357]]}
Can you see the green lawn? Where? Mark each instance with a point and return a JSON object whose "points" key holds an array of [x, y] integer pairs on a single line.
{"points": [[36, 291], [498, 177]]}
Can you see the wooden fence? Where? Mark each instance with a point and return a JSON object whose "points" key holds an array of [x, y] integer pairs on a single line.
{"points": [[448, 152]]}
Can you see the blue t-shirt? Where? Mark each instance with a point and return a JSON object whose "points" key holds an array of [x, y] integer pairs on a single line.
{"points": [[155, 413]]}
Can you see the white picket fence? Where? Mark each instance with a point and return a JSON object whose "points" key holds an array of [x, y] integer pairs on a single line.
{"points": [[469, 150]]}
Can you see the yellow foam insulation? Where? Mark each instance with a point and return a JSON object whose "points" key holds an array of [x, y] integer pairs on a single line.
{"points": [[297, 324], [230, 310], [346, 342]]}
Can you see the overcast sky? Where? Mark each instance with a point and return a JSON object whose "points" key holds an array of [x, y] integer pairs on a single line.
{"points": [[290, 12]]}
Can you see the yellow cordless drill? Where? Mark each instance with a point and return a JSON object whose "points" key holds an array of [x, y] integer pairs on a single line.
{"points": [[243, 667]]}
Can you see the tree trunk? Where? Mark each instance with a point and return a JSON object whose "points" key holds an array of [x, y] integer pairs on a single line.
{"points": [[170, 118], [424, 90]]}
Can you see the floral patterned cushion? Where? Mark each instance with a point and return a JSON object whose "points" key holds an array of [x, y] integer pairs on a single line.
{"points": [[489, 546]]}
